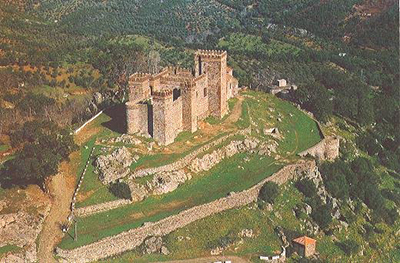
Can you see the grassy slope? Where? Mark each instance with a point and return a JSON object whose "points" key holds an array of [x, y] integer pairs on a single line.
{"points": [[222, 179], [204, 233]]}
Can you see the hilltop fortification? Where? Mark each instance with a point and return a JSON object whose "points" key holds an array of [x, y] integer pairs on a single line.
{"points": [[174, 100]]}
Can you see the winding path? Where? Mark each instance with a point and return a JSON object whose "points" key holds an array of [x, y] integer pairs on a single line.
{"points": [[61, 189]]}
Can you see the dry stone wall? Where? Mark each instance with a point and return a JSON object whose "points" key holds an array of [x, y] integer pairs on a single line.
{"points": [[131, 239], [185, 161], [94, 209]]}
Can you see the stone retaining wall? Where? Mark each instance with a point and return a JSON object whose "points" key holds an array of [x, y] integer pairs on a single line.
{"points": [[94, 209], [185, 161], [327, 149], [130, 239]]}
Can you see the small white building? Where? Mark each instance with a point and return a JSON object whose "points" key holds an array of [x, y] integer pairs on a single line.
{"points": [[282, 83]]}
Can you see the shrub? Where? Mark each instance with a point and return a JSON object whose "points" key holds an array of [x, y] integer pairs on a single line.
{"points": [[322, 216], [268, 192], [307, 187], [120, 190], [349, 247]]}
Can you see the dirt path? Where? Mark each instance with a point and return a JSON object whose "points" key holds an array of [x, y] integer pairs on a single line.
{"points": [[233, 259], [236, 112], [61, 188]]}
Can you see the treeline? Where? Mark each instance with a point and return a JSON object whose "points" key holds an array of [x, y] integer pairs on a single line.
{"points": [[43, 145]]}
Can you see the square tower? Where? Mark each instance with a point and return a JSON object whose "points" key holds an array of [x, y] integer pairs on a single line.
{"points": [[213, 63]]}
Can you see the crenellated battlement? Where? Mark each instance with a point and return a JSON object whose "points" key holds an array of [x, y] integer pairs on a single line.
{"points": [[211, 53], [139, 77], [162, 93]]}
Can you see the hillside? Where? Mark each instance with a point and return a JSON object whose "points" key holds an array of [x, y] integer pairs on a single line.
{"points": [[62, 61]]}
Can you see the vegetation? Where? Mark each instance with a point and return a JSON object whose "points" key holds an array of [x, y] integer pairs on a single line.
{"points": [[268, 192], [43, 146]]}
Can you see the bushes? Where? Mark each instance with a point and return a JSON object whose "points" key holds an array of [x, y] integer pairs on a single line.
{"points": [[307, 187], [268, 192], [44, 145], [120, 190], [349, 247], [322, 215]]}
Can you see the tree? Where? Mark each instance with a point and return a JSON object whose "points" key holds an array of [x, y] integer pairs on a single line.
{"points": [[322, 216], [268, 192], [44, 146]]}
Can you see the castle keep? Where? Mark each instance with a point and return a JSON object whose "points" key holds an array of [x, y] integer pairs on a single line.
{"points": [[174, 100]]}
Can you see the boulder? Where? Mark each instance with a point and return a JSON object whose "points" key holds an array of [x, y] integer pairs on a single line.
{"points": [[114, 166], [138, 192], [165, 182], [153, 245]]}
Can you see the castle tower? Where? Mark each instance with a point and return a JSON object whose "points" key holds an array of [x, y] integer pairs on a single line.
{"points": [[136, 112], [167, 116], [189, 107], [213, 63]]}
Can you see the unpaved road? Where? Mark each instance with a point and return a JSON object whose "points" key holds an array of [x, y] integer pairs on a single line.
{"points": [[61, 189]]}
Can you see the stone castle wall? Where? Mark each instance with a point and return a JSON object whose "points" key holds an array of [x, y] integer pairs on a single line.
{"points": [[130, 239], [201, 102], [137, 118]]}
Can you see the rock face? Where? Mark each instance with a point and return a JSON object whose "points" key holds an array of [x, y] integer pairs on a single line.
{"points": [[20, 229], [209, 160], [114, 166], [167, 181], [138, 192]]}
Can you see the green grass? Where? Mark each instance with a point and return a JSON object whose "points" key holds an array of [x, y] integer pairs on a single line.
{"points": [[298, 129], [218, 182], [91, 184], [213, 120], [4, 147], [8, 248]]}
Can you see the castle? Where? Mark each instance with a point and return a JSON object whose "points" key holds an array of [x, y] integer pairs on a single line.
{"points": [[174, 100]]}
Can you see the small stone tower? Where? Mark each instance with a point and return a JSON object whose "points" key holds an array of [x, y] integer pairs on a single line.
{"points": [[213, 63], [167, 116]]}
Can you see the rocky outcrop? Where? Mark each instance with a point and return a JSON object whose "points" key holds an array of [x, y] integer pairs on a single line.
{"points": [[166, 182], [209, 160], [114, 166], [327, 149], [154, 245], [138, 192], [21, 229]]}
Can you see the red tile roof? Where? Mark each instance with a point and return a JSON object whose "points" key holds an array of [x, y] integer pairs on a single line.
{"points": [[304, 240]]}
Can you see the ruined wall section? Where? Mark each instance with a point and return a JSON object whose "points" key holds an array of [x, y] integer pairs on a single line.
{"points": [[327, 149]]}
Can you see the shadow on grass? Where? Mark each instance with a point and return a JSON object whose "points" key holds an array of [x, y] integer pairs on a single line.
{"points": [[118, 119]]}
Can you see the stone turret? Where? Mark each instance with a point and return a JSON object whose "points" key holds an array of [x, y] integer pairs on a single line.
{"points": [[213, 63]]}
